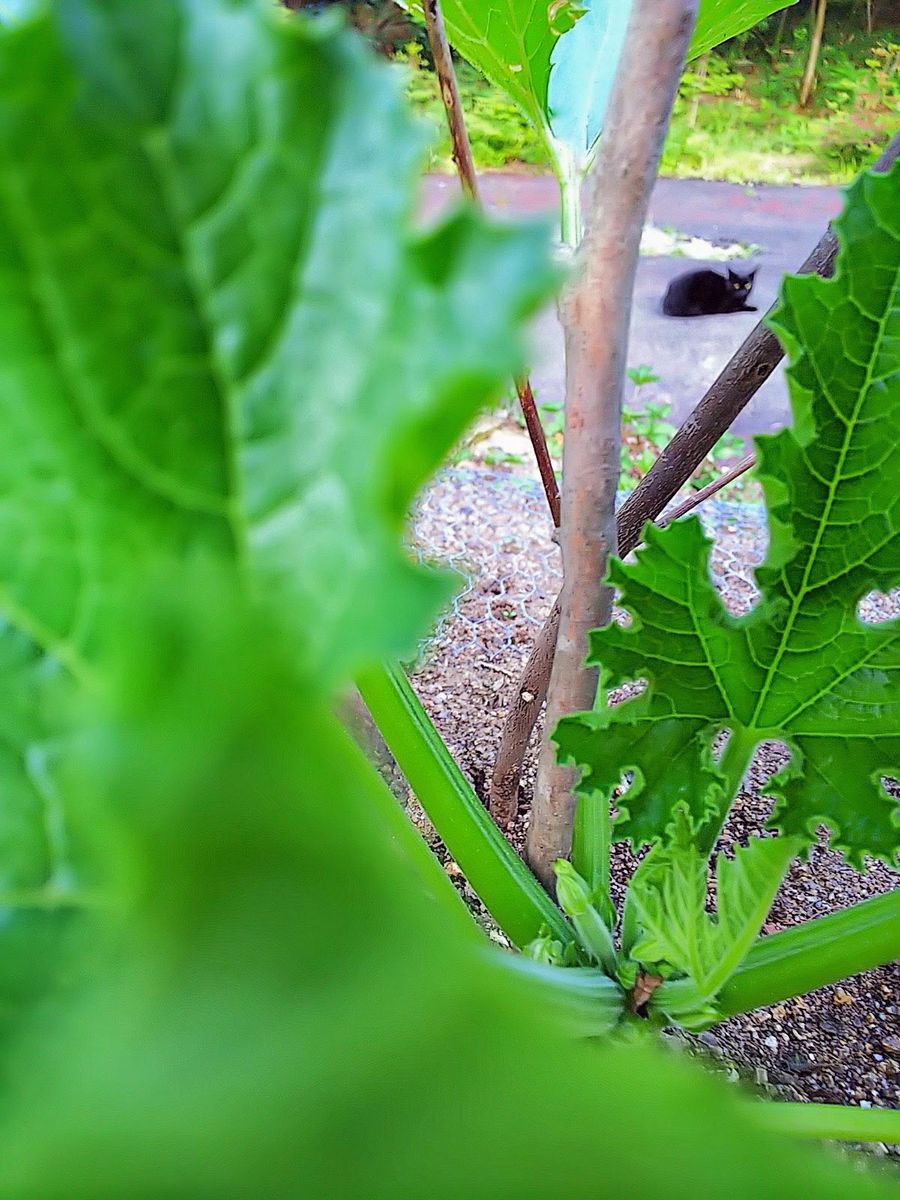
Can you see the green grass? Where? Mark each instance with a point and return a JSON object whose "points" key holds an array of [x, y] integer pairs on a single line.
{"points": [[743, 122], [736, 117], [500, 135]]}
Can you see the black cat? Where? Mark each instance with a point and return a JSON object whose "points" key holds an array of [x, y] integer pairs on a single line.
{"points": [[702, 292]]}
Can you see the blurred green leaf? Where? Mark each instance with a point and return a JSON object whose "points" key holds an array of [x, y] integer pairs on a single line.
{"points": [[227, 333], [279, 1012], [222, 339], [801, 666]]}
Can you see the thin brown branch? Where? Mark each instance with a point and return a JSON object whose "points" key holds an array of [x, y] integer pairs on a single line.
{"points": [[443, 65], [704, 493], [736, 385], [595, 310], [462, 156], [809, 75], [521, 718], [540, 447]]}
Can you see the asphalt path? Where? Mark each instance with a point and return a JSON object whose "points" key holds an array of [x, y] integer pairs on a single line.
{"points": [[687, 353]]}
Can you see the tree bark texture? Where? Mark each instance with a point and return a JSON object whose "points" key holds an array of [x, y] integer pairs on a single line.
{"points": [[595, 310]]}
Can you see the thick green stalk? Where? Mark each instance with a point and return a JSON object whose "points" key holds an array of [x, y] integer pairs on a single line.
{"points": [[509, 891], [836, 1122], [570, 180], [814, 954], [585, 1001], [591, 841]]}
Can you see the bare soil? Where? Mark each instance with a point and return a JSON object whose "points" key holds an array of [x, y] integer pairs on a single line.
{"points": [[839, 1044]]}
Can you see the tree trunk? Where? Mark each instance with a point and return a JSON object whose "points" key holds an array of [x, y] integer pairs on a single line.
{"points": [[595, 309], [809, 75]]}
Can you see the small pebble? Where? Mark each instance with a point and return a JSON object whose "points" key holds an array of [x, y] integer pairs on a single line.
{"points": [[771, 1041]]}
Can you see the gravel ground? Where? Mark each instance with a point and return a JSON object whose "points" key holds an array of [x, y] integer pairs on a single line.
{"points": [[840, 1044]]}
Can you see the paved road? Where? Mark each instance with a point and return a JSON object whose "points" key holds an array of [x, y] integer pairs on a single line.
{"points": [[785, 222]]}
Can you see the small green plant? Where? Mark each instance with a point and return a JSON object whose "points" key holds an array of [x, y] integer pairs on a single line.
{"points": [[642, 375], [716, 76], [647, 431], [644, 434]]}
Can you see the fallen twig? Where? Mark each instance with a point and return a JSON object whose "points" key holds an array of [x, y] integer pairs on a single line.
{"points": [[489, 666]]}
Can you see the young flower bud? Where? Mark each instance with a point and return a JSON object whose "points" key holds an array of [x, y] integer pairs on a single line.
{"points": [[574, 897]]}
